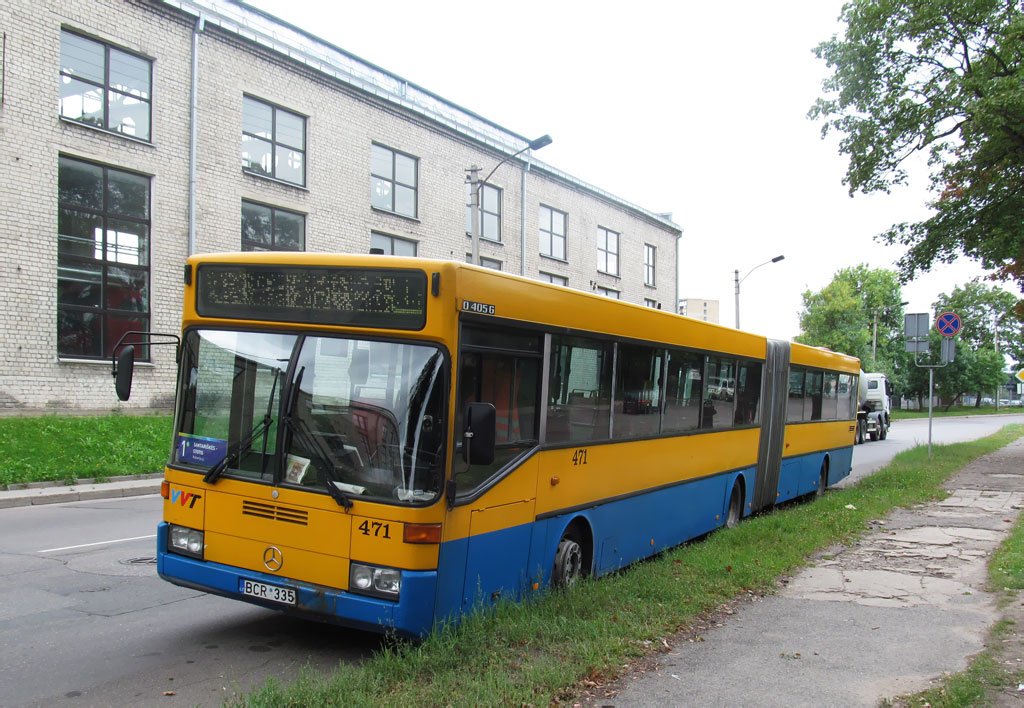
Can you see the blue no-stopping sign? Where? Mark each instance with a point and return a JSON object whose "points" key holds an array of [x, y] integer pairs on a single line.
{"points": [[948, 324]]}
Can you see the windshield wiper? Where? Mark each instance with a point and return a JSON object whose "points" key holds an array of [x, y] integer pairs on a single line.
{"points": [[300, 431], [244, 444]]}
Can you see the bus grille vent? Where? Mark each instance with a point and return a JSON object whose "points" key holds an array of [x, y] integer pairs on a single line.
{"points": [[275, 513]]}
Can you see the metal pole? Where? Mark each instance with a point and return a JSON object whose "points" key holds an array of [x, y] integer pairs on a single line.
{"points": [[737, 276], [474, 208], [931, 392], [997, 352], [874, 339]]}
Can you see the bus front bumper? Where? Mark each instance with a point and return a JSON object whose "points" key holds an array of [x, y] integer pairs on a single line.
{"points": [[411, 615]]}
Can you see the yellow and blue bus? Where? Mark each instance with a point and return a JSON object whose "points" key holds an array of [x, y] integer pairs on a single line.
{"points": [[388, 443]]}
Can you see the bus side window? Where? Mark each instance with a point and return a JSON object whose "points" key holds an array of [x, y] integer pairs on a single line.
{"points": [[748, 393], [795, 407], [579, 389], [500, 368]]}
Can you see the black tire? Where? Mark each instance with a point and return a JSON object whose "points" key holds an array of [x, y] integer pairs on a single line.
{"points": [[883, 431], [568, 566], [822, 481], [873, 436], [859, 439], [735, 512]]}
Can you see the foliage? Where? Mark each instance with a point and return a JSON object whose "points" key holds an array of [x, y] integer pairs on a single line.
{"points": [[52, 448], [979, 307], [842, 316], [942, 77]]}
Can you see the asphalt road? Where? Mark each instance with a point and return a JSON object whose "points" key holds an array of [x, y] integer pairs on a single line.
{"points": [[86, 621]]}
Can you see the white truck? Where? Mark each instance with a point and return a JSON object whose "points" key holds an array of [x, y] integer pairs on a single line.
{"points": [[873, 407]]}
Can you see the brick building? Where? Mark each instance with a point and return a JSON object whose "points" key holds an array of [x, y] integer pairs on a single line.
{"points": [[135, 132]]}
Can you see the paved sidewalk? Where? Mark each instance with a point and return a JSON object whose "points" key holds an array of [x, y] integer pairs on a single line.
{"points": [[864, 623], [54, 493]]}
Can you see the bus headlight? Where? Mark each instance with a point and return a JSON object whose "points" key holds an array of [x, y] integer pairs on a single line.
{"points": [[374, 581], [186, 541]]}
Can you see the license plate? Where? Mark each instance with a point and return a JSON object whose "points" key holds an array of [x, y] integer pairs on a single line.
{"points": [[274, 593]]}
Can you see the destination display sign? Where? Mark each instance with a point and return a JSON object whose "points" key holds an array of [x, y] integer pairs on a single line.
{"points": [[344, 296]]}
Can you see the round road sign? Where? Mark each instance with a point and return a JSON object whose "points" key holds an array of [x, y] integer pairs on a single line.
{"points": [[948, 324]]}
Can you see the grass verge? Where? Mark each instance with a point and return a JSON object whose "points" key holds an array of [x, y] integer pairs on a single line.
{"points": [[940, 412], [59, 448], [545, 651]]}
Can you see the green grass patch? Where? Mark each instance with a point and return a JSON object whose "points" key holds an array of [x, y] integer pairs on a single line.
{"points": [[940, 412], [59, 448], [541, 652]]}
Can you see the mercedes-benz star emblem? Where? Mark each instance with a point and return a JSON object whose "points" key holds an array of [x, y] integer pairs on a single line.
{"points": [[273, 559]]}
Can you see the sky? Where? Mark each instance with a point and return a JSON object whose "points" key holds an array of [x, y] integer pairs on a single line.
{"points": [[694, 108]]}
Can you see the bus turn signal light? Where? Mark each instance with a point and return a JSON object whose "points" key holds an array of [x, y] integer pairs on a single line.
{"points": [[422, 533], [165, 489]]}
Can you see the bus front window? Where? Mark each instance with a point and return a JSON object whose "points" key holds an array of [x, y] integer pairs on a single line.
{"points": [[231, 393], [364, 416], [367, 417]]}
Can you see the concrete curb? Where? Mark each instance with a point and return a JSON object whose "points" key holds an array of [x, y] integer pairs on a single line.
{"points": [[56, 493]]}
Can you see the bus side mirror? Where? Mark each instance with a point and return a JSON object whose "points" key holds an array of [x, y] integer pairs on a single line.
{"points": [[478, 434], [123, 372]]}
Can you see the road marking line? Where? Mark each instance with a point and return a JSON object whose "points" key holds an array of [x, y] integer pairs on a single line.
{"points": [[98, 543]]}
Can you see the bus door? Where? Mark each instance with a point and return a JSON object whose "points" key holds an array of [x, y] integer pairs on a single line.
{"points": [[501, 367]]}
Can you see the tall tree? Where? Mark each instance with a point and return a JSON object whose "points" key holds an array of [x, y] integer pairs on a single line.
{"points": [[843, 314], [981, 308], [943, 77]]}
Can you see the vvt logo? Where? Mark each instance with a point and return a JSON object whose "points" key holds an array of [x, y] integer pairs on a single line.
{"points": [[179, 496]]}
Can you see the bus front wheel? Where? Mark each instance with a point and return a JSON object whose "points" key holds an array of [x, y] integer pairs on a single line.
{"points": [[568, 562]]}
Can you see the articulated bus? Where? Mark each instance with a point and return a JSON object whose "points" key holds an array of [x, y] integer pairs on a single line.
{"points": [[389, 443]]}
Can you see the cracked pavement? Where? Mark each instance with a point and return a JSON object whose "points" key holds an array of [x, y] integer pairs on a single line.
{"points": [[866, 622]]}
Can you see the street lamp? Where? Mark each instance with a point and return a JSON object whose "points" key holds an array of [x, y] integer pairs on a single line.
{"points": [[739, 280], [874, 330], [476, 184], [996, 333]]}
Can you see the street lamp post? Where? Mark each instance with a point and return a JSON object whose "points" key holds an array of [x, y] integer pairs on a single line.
{"points": [[738, 280], [476, 184], [996, 334], [874, 331]]}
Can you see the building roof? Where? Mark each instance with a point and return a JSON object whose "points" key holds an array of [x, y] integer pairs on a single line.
{"points": [[321, 56]]}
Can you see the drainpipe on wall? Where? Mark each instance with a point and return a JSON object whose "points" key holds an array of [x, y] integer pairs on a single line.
{"points": [[522, 220], [193, 119]]}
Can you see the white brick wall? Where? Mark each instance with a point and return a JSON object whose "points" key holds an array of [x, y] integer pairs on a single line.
{"points": [[342, 125]]}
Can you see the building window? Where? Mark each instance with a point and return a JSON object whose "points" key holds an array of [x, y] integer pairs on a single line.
{"points": [[492, 263], [105, 87], [266, 228], [490, 212], [102, 258], [608, 292], [648, 302], [650, 259], [393, 180], [552, 233], [554, 279], [273, 141], [392, 245], [607, 251]]}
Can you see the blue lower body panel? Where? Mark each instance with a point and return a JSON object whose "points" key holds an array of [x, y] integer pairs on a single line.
{"points": [[411, 615]]}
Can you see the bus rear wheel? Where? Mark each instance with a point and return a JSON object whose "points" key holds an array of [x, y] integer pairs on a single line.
{"points": [[735, 513], [568, 567], [822, 480]]}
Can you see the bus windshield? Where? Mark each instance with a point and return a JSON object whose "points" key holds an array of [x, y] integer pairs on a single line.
{"points": [[366, 417]]}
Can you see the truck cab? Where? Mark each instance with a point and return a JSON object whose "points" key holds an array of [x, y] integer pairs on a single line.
{"points": [[874, 407]]}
